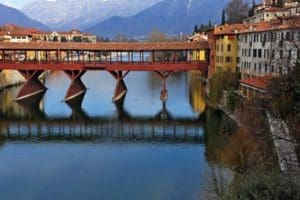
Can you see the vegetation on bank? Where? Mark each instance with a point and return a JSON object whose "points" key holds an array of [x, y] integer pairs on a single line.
{"points": [[261, 184], [222, 80], [250, 148]]}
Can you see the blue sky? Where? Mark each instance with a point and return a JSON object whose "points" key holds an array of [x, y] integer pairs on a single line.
{"points": [[15, 3]]}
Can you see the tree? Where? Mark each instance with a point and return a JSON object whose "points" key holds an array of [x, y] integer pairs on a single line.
{"points": [[121, 38], [236, 11], [77, 39], [279, 3], [63, 39], [222, 80], [251, 11], [55, 39], [195, 29], [223, 20], [157, 36]]}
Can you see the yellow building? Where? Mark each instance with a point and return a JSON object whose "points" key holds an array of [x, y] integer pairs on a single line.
{"points": [[196, 92], [201, 54], [227, 47]]}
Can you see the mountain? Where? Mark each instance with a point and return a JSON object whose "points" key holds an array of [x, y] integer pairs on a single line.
{"points": [[10, 15], [79, 14], [170, 16]]}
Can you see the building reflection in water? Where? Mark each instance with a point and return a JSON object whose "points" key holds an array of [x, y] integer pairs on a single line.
{"points": [[196, 92], [8, 106]]}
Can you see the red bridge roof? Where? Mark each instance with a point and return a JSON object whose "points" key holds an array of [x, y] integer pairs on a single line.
{"points": [[104, 46]]}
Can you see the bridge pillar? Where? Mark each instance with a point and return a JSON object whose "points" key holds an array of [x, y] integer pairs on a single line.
{"points": [[32, 85], [164, 92], [120, 89], [77, 88]]}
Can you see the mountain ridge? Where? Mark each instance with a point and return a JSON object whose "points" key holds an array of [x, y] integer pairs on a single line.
{"points": [[169, 16], [9, 15], [80, 14]]}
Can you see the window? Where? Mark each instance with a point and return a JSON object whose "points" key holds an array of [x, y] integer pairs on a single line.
{"points": [[290, 54], [298, 54], [281, 54], [274, 37], [259, 53], [254, 53], [266, 68], [217, 47], [238, 60], [228, 59], [273, 54], [222, 47], [228, 47], [287, 36]]}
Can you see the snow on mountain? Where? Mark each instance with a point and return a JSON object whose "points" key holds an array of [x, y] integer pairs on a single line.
{"points": [[170, 16], [67, 14]]}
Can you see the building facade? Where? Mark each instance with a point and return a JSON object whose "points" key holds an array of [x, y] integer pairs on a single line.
{"points": [[201, 54], [226, 57], [270, 10], [269, 48], [13, 33]]}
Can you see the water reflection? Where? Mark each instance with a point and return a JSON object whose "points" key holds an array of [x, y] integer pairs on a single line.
{"points": [[91, 148], [32, 119]]}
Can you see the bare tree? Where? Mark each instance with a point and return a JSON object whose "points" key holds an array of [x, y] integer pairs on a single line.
{"points": [[236, 11], [157, 36], [121, 38]]}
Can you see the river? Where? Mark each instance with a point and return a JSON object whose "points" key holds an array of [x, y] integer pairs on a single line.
{"points": [[140, 148]]}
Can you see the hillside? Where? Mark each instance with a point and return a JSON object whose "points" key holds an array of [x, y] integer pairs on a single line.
{"points": [[10, 15], [80, 14], [170, 16]]}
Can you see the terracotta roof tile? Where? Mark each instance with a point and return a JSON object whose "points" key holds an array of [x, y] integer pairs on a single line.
{"points": [[277, 24], [106, 46], [257, 82]]}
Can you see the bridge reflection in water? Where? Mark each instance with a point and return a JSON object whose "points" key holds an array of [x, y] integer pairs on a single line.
{"points": [[80, 127]]}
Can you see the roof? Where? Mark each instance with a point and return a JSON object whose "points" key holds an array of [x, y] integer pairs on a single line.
{"points": [[147, 46], [229, 29], [281, 23], [257, 82], [13, 29]]}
